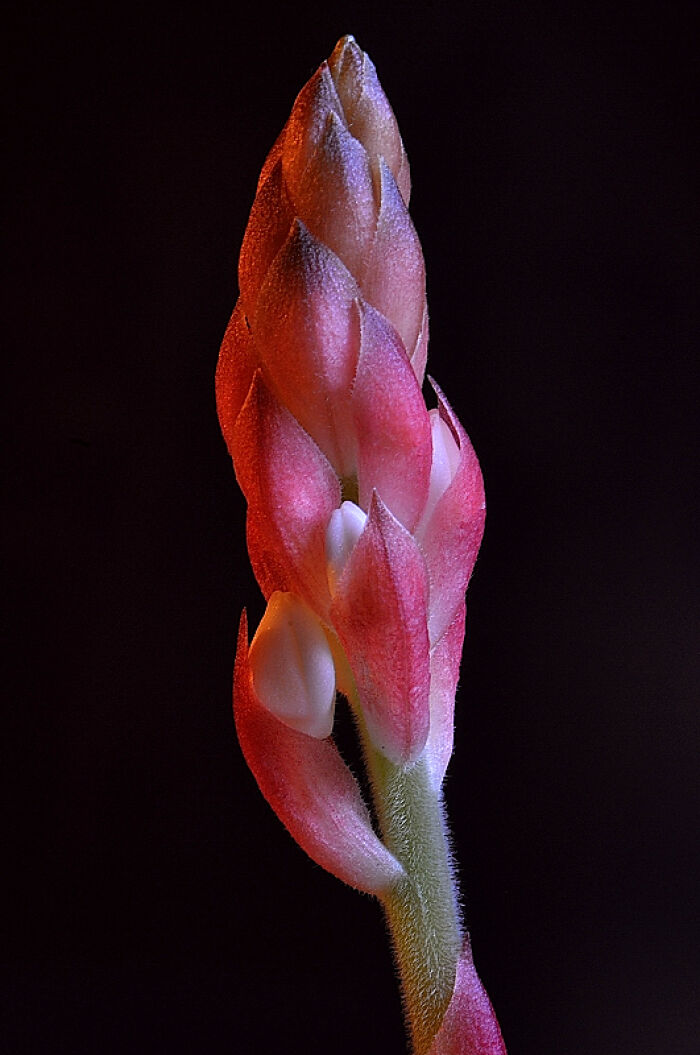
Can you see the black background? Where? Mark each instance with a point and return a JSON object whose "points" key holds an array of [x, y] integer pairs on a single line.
{"points": [[155, 902]]}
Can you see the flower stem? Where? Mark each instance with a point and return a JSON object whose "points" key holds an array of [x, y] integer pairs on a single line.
{"points": [[422, 909]]}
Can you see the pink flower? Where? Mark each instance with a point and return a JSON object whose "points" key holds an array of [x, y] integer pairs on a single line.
{"points": [[365, 509]]}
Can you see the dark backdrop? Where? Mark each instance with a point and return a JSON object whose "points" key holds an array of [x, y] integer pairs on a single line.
{"points": [[155, 903]]}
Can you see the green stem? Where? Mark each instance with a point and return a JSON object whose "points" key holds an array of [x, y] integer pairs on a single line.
{"points": [[422, 910]]}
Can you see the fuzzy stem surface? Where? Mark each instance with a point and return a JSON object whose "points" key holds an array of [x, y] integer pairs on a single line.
{"points": [[422, 910]]}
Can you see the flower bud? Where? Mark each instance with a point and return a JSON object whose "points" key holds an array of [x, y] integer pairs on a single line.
{"points": [[292, 666], [344, 529], [319, 395]]}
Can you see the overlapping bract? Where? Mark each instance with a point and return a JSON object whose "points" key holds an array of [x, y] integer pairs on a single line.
{"points": [[319, 397]]}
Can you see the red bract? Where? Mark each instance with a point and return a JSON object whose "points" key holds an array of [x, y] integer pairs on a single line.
{"points": [[291, 491], [452, 535], [470, 1026], [310, 789], [390, 423], [380, 614]]}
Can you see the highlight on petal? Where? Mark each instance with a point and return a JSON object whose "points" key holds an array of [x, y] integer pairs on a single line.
{"points": [[469, 1026], [451, 537], [292, 666], [379, 612], [444, 463], [311, 789], [391, 423], [291, 491], [344, 529]]}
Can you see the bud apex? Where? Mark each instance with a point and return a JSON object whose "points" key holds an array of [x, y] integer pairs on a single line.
{"points": [[344, 529], [292, 666]]}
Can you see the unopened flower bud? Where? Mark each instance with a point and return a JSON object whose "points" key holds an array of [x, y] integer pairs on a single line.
{"points": [[344, 529], [292, 666]]}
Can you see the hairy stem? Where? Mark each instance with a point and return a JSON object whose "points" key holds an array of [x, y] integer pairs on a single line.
{"points": [[422, 910]]}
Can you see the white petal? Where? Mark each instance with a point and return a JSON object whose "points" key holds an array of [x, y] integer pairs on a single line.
{"points": [[344, 529], [443, 467], [292, 666]]}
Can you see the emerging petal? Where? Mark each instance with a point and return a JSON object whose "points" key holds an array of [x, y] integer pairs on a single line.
{"points": [[452, 536], [310, 789], [292, 666], [379, 612], [444, 464], [344, 529]]}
